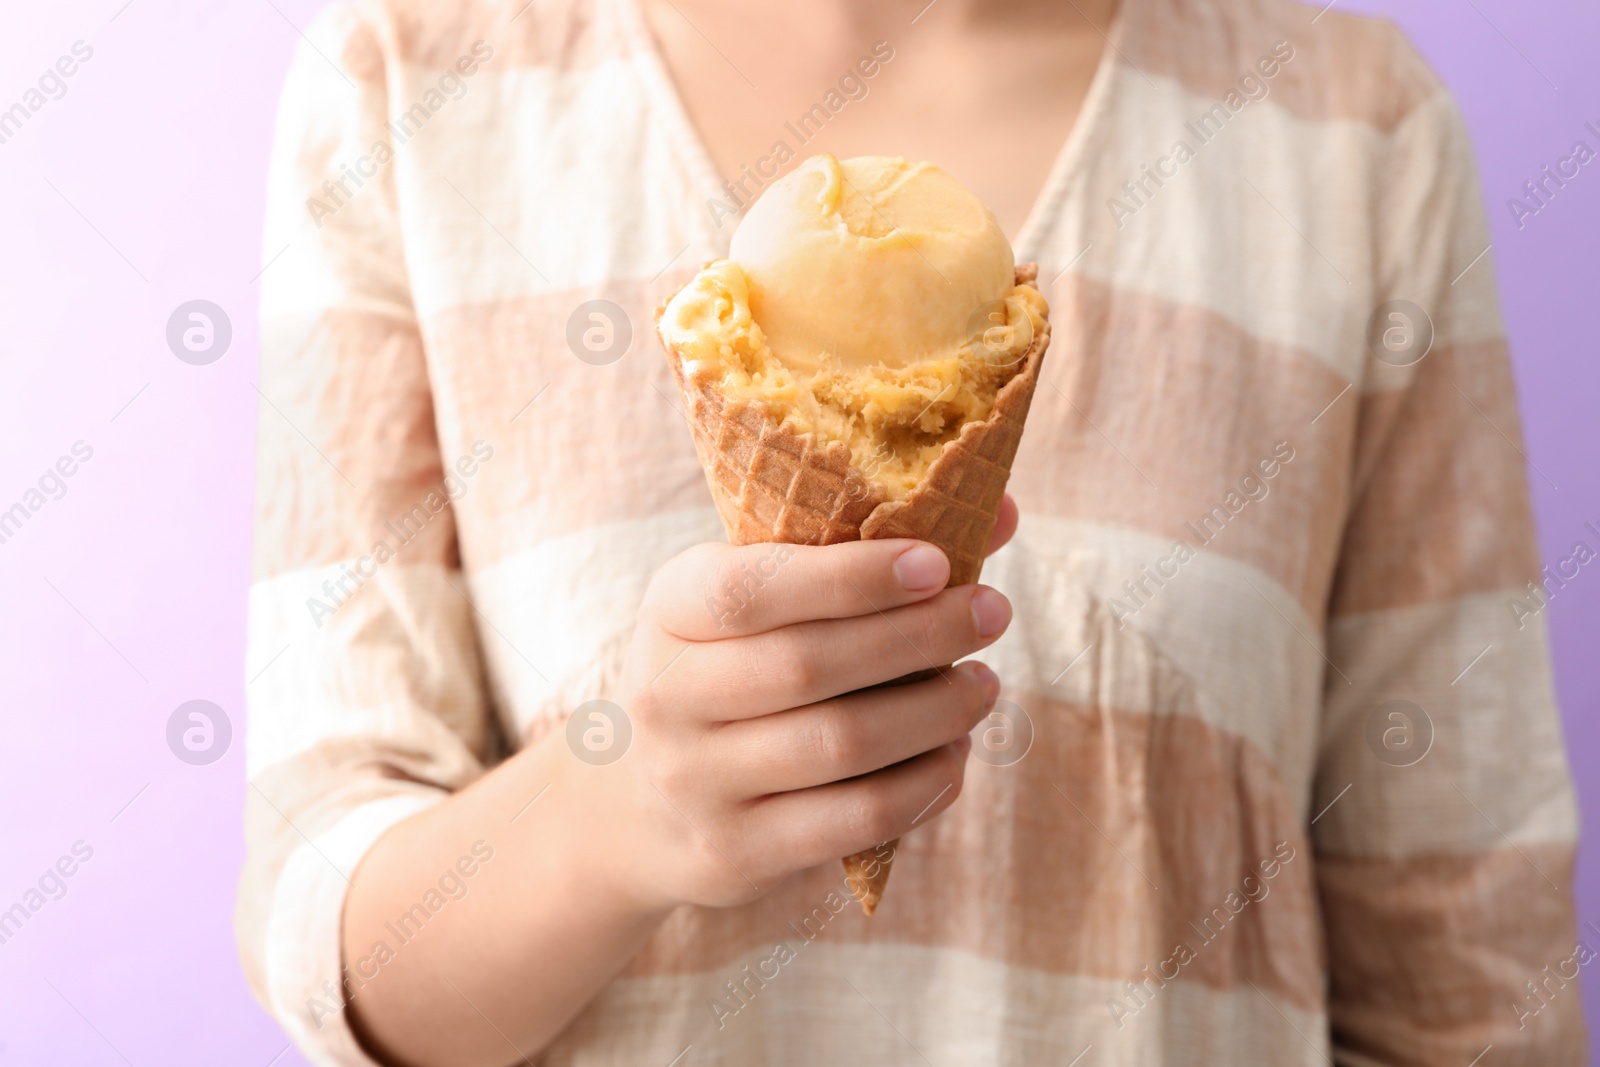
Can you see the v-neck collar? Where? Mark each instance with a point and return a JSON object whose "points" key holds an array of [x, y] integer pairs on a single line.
{"points": [[697, 155], [1092, 113], [664, 95]]}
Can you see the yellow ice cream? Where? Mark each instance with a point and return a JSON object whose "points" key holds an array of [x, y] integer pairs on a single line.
{"points": [[870, 301]]}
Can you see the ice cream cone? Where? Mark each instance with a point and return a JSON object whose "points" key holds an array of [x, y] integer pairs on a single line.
{"points": [[773, 484]]}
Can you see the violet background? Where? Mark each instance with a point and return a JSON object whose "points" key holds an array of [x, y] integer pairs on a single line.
{"points": [[161, 143]]}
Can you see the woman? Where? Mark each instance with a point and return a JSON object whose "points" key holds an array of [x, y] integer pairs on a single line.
{"points": [[1274, 775]]}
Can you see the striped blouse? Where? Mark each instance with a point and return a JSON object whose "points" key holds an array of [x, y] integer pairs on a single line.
{"points": [[1277, 777]]}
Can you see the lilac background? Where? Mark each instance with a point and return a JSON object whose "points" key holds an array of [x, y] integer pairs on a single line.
{"points": [[161, 143]]}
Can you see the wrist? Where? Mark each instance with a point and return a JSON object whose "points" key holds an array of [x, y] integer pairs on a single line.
{"points": [[579, 817]]}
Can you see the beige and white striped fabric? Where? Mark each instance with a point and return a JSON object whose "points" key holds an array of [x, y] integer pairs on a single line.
{"points": [[1243, 536]]}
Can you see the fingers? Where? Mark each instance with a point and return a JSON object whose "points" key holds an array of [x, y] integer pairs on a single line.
{"points": [[713, 592], [1004, 525], [818, 825], [814, 661], [854, 734]]}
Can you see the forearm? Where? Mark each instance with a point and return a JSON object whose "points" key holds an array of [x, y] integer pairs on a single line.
{"points": [[734, 780], [498, 970]]}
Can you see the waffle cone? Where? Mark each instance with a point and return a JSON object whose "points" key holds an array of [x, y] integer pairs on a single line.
{"points": [[772, 484]]}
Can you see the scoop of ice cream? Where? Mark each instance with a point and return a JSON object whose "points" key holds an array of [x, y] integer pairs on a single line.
{"points": [[874, 260], [895, 420], [872, 302]]}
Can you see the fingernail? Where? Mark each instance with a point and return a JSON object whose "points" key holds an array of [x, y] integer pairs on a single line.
{"points": [[989, 682], [920, 568], [990, 611]]}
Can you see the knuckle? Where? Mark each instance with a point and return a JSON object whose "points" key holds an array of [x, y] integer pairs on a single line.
{"points": [[964, 690], [706, 856], [726, 598], [837, 739], [882, 820], [957, 624], [731, 583], [701, 558], [670, 780], [647, 708], [873, 815], [678, 573], [969, 697], [803, 669], [956, 775], [944, 781], [933, 630]]}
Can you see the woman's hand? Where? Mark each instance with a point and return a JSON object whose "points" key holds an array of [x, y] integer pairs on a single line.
{"points": [[759, 748], [763, 741]]}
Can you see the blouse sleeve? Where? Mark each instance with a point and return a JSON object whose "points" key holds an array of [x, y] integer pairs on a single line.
{"points": [[366, 694], [1447, 822]]}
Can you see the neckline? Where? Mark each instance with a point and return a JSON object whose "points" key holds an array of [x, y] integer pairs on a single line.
{"points": [[664, 93], [697, 154], [1091, 114]]}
